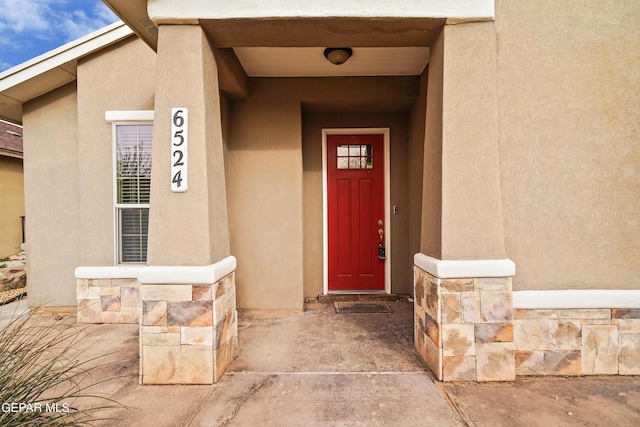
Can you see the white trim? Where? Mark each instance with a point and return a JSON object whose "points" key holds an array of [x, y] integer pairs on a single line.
{"points": [[108, 272], [64, 54], [446, 269], [129, 116], [385, 132], [187, 10], [576, 299], [188, 274]]}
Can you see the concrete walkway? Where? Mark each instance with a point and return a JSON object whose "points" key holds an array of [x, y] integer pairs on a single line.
{"points": [[327, 369]]}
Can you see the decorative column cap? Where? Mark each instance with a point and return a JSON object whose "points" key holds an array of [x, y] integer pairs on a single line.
{"points": [[458, 269], [187, 274]]}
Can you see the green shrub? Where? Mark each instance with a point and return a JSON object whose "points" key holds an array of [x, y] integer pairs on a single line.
{"points": [[42, 380]]}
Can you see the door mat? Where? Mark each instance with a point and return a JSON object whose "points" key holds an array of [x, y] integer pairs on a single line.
{"points": [[355, 307]]}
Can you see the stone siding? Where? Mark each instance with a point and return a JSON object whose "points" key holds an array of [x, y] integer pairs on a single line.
{"points": [[108, 301], [467, 330], [464, 327], [577, 342], [189, 332]]}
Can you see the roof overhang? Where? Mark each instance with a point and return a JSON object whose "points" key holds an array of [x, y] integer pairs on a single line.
{"points": [[189, 10], [286, 39], [51, 70]]}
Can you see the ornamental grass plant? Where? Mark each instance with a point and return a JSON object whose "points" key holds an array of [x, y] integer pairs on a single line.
{"points": [[43, 379]]}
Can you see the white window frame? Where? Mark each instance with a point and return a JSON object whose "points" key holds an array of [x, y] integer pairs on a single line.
{"points": [[120, 118]]}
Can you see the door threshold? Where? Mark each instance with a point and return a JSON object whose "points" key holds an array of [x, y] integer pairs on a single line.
{"points": [[356, 292], [358, 296]]}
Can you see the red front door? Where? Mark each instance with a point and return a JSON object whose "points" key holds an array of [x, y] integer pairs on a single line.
{"points": [[355, 192]]}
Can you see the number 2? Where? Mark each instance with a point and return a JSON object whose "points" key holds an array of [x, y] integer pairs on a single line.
{"points": [[178, 162]]}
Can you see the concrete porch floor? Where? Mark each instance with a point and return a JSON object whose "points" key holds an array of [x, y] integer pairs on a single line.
{"points": [[321, 368]]}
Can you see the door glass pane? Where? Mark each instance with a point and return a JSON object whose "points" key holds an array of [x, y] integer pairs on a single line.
{"points": [[355, 156]]}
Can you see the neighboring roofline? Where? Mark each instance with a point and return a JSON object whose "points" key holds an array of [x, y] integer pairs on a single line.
{"points": [[5, 152], [12, 154]]}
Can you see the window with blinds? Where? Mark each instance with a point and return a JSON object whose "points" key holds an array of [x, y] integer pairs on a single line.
{"points": [[133, 187]]}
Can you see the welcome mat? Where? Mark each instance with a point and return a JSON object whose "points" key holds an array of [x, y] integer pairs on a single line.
{"points": [[355, 307]]}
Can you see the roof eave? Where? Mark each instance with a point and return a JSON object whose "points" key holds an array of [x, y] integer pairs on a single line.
{"points": [[15, 87]]}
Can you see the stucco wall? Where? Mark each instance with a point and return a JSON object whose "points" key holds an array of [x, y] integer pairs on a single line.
{"points": [[121, 77], [188, 228], [276, 197], [52, 196], [431, 230], [569, 91], [471, 199], [415, 162], [11, 205], [265, 197]]}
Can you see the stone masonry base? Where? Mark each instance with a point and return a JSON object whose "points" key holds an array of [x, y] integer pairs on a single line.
{"points": [[464, 327], [108, 301], [467, 330], [189, 333], [577, 342]]}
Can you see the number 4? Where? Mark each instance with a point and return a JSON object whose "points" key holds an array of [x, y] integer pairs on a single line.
{"points": [[177, 179]]}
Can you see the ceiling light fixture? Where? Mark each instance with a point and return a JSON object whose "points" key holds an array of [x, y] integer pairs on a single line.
{"points": [[338, 55]]}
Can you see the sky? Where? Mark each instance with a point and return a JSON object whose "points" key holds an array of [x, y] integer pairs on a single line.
{"points": [[29, 28]]}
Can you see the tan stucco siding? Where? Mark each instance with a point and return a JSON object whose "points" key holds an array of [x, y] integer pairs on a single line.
{"points": [[265, 198], [569, 90], [417, 128], [275, 185], [471, 200], [121, 77], [431, 229], [188, 228], [11, 205], [52, 201]]}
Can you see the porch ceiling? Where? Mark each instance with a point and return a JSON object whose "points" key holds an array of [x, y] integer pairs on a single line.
{"points": [[294, 47], [310, 61]]}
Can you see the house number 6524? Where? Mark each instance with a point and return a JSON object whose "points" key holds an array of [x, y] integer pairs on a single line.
{"points": [[179, 144]]}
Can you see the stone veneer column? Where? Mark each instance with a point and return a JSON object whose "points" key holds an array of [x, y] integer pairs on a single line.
{"points": [[189, 331], [464, 326]]}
